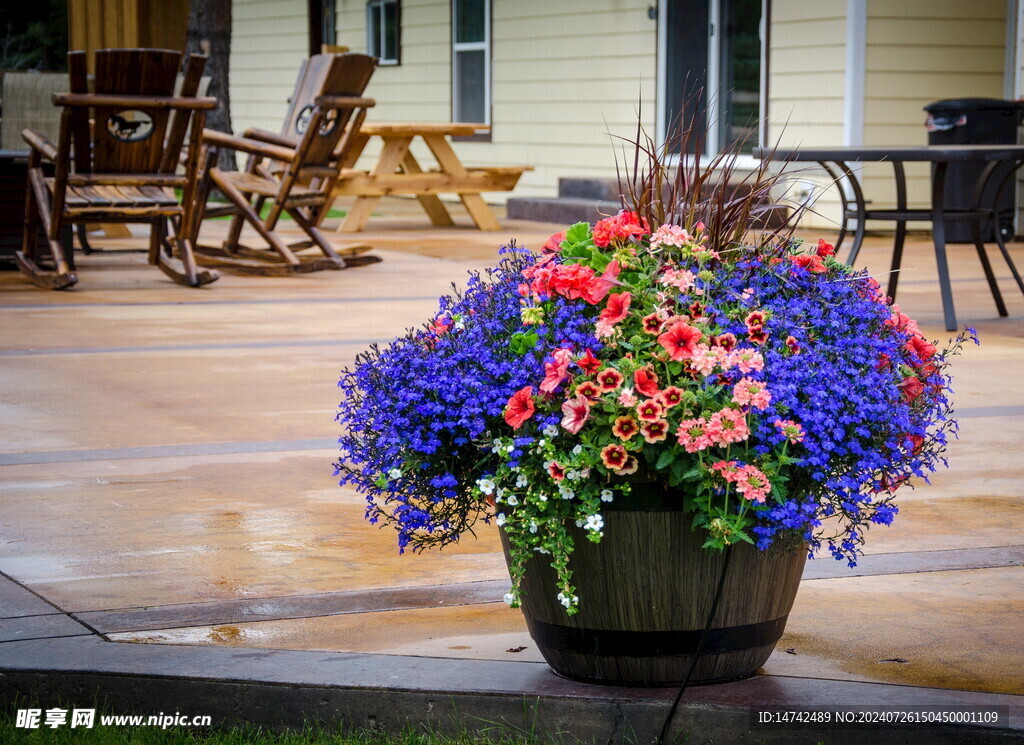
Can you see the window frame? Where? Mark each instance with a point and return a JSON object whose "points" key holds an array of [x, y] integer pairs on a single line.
{"points": [[376, 7], [472, 46], [716, 45]]}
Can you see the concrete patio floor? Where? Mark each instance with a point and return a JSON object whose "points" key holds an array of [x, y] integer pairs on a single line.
{"points": [[168, 516]]}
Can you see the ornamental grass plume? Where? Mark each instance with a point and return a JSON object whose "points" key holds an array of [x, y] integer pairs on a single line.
{"points": [[775, 388]]}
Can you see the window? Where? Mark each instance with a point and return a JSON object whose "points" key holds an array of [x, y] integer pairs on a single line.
{"points": [[321, 25], [471, 61], [712, 58], [382, 30]]}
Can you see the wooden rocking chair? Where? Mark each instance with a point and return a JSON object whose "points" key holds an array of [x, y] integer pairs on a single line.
{"points": [[115, 161], [296, 170]]}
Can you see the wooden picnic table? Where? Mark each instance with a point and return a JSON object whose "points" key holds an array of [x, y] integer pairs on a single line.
{"points": [[397, 172]]}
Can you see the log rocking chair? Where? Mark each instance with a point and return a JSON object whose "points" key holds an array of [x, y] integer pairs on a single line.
{"points": [[116, 160], [295, 170]]}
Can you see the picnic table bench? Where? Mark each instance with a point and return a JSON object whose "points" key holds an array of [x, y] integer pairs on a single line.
{"points": [[397, 172]]}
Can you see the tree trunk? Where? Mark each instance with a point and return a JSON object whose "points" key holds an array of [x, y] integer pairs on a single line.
{"points": [[209, 33]]}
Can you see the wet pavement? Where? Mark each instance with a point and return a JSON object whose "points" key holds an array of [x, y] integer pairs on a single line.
{"points": [[166, 488]]}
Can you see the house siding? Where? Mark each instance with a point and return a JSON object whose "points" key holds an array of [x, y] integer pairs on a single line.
{"points": [[269, 40], [919, 52], [806, 64]]}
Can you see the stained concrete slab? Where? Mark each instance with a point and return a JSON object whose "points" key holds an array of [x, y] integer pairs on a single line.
{"points": [[382, 692], [961, 635], [16, 601], [40, 627], [225, 520]]}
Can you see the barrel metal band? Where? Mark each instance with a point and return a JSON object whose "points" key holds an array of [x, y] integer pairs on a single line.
{"points": [[618, 643]]}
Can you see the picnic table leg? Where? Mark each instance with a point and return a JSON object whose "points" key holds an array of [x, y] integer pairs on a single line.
{"points": [[939, 238], [431, 203], [391, 156], [450, 163]]}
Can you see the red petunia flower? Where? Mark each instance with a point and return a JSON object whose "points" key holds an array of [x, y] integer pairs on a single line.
{"points": [[680, 341], [655, 431], [921, 347], [758, 336], [650, 410], [652, 323], [624, 428], [609, 379], [912, 388], [617, 308], [519, 407], [600, 286], [554, 243], [646, 382], [812, 263], [794, 346], [614, 456], [825, 249], [671, 396], [725, 341], [556, 471], [755, 319], [589, 363]]}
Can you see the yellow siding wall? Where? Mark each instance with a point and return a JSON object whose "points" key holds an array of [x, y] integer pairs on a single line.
{"points": [[564, 75], [806, 63], [918, 52], [269, 39]]}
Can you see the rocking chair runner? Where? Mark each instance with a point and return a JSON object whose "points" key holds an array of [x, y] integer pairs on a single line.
{"points": [[120, 167], [296, 170]]}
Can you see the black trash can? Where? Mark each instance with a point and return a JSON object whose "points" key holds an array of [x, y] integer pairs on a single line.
{"points": [[975, 121]]}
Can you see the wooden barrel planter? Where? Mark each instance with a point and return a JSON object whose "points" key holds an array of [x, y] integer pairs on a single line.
{"points": [[645, 591]]}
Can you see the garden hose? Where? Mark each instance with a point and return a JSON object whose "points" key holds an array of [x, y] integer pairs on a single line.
{"points": [[700, 648]]}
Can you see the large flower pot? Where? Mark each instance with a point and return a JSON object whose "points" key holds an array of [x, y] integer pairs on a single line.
{"points": [[645, 591]]}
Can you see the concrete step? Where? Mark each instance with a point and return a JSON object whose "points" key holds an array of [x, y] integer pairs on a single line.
{"points": [[562, 210]]}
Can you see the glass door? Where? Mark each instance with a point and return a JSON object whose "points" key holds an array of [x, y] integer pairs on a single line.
{"points": [[710, 58]]}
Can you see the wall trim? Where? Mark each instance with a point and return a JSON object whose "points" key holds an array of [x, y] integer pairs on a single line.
{"points": [[856, 53]]}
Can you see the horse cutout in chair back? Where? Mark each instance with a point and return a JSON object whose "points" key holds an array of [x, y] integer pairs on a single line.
{"points": [[116, 158], [295, 171]]}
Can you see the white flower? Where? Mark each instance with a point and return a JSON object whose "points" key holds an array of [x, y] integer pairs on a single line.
{"points": [[567, 601], [512, 501], [565, 492], [595, 523], [486, 486], [606, 495], [509, 597], [496, 446], [522, 481], [541, 442], [540, 550], [533, 526], [579, 523], [551, 430], [577, 450], [542, 497], [500, 519], [395, 473], [573, 475]]}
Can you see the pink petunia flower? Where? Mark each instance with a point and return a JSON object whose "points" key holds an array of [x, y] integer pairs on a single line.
{"points": [[646, 381], [576, 412]]}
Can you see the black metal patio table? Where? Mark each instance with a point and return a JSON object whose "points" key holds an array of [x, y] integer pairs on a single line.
{"points": [[1001, 162]]}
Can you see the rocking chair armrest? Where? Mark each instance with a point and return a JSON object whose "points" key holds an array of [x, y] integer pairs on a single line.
{"points": [[344, 102], [274, 139], [135, 102], [40, 143], [216, 138]]}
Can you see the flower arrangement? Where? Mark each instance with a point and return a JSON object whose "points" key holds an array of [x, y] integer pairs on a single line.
{"points": [[772, 386]]}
